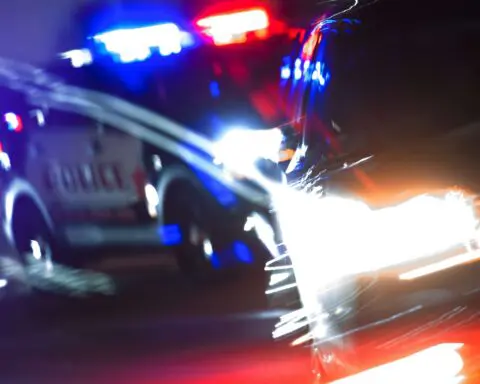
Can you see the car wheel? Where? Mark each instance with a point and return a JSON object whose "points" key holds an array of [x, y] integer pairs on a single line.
{"points": [[197, 255], [34, 244]]}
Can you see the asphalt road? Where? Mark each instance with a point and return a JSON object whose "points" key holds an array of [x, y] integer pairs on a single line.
{"points": [[158, 328]]}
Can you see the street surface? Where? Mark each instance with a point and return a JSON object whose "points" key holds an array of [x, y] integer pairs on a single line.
{"points": [[157, 329]]}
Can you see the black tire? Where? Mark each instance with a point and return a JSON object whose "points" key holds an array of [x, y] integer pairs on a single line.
{"points": [[29, 225], [198, 234]]}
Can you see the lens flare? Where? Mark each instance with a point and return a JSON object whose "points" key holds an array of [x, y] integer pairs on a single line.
{"points": [[332, 240]]}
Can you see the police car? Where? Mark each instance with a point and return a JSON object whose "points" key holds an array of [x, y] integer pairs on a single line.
{"points": [[86, 169]]}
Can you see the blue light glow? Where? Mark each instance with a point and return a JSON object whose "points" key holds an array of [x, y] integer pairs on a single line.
{"points": [[215, 261], [138, 44], [170, 235], [214, 89], [242, 252]]}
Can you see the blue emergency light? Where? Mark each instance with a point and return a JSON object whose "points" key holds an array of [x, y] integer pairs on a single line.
{"points": [[139, 44]]}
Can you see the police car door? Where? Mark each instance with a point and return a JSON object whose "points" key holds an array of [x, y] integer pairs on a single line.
{"points": [[84, 169]]}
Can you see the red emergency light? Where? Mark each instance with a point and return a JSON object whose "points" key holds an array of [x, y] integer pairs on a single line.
{"points": [[235, 27]]}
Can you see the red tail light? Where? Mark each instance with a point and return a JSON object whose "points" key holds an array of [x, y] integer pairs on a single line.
{"points": [[235, 27]]}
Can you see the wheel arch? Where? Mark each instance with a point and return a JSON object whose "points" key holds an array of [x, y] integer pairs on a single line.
{"points": [[20, 192]]}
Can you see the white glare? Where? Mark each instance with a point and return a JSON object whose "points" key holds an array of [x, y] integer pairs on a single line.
{"points": [[78, 57], [36, 249], [152, 198], [333, 237], [240, 148], [5, 162], [3, 283], [207, 248]]}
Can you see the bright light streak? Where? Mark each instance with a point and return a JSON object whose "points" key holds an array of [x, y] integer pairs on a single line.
{"points": [[231, 27], [277, 278], [289, 328], [280, 289], [451, 262], [302, 339], [439, 364], [291, 316]]}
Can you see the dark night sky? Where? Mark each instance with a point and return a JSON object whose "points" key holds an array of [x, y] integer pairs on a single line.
{"points": [[33, 30], [30, 29]]}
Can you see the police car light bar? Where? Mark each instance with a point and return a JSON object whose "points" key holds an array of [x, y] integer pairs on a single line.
{"points": [[138, 44], [229, 28]]}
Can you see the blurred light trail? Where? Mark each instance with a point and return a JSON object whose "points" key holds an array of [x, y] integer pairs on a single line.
{"points": [[451, 262], [439, 364], [332, 240]]}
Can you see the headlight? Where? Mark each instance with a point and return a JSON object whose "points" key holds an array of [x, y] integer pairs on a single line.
{"points": [[356, 239], [239, 149]]}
